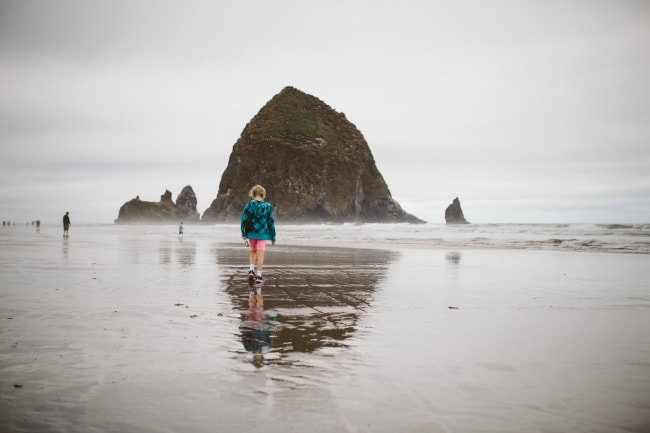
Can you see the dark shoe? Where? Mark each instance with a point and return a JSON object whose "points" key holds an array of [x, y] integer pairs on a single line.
{"points": [[259, 279], [251, 275]]}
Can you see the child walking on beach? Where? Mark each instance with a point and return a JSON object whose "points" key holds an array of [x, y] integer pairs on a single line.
{"points": [[257, 227]]}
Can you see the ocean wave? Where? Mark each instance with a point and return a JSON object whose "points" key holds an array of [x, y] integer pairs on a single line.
{"points": [[617, 226], [618, 238]]}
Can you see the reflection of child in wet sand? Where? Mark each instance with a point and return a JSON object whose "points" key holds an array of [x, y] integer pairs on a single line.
{"points": [[257, 227], [255, 332]]}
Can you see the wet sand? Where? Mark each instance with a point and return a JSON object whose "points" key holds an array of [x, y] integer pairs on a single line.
{"points": [[141, 332]]}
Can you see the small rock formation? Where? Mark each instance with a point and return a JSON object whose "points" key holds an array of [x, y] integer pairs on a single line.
{"points": [[166, 201], [454, 214], [315, 165], [164, 211], [186, 205]]}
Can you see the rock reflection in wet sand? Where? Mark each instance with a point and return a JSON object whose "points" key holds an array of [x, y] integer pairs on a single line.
{"points": [[311, 301]]}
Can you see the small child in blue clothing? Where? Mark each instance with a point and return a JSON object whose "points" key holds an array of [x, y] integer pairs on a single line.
{"points": [[180, 230], [257, 227]]}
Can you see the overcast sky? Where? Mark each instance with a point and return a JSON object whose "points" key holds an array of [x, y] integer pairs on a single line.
{"points": [[528, 111]]}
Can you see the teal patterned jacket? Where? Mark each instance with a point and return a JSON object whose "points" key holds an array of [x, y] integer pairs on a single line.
{"points": [[258, 216]]}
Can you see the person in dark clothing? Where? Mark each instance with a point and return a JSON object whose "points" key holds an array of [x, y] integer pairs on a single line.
{"points": [[66, 224]]}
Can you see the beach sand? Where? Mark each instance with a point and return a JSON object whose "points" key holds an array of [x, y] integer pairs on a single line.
{"points": [[136, 331]]}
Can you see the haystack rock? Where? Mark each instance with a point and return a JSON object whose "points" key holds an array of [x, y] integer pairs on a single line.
{"points": [[454, 213], [315, 165], [164, 211]]}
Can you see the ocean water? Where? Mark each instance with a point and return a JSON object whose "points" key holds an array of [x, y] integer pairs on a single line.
{"points": [[612, 238], [623, 238]]}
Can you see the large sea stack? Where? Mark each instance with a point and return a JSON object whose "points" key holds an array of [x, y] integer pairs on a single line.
{"points": [[164, 211], [454, 213], [315, 165]]}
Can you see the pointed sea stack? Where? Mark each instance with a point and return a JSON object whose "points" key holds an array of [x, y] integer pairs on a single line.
{"points": [[454, 213], [315, 165], [186, 205]]}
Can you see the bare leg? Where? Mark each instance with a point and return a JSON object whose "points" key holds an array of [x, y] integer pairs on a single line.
{"points": [[251, 257], [260, 261]]}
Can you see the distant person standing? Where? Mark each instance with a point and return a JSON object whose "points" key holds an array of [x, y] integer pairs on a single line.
{"points": [[66, 224], [257, 227], [180, 230]]}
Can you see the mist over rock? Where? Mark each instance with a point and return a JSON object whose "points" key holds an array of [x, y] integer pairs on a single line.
{"points": [[315, 165], [454, 213], [163, 211]]}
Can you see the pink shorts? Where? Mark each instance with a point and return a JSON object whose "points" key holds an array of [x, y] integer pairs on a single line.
{"points": [[257, 244]]}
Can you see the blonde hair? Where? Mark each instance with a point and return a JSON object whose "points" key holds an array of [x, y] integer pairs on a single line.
{"points": [[257, 191]]}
